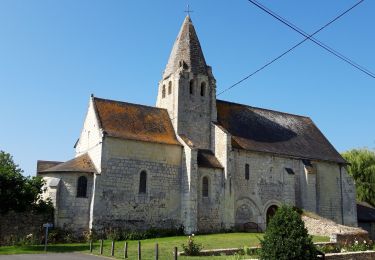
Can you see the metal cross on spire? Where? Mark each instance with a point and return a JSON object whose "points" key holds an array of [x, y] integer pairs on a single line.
{"points": [[188, 11]]}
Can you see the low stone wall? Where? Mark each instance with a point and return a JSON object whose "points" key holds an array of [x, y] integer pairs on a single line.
{"points": [[340, 234], [349, 239], [366, 255], [16, 226]]}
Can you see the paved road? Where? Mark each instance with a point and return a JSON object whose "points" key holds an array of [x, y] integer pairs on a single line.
{"points": [[54, 256]]}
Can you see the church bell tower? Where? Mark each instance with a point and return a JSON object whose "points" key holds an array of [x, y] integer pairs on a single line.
{"points": [[188, 89]]}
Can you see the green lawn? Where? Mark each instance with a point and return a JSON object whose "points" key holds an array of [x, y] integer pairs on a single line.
{"points": [[166, 245]]}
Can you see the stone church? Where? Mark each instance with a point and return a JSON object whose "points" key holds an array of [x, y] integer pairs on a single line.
{"points": [[193, 160]]}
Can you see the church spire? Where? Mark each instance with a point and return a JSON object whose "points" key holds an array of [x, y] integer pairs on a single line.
{"points": [[186, 52]]}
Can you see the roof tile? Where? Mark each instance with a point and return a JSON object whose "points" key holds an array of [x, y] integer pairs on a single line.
{"points": [[135, 122], [263, 130]]}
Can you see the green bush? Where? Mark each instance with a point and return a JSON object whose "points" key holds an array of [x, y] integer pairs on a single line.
{"points": [[192, 248], [59, 235], [286, 237], [124, 234]]}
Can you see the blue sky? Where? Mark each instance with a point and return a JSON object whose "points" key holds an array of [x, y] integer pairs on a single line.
{"points": [[54, 54]]}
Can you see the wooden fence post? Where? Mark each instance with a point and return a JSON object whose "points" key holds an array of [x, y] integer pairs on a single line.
{"points": [[101, 246], [126, 250], [156, 251], [90, 246], [113, 248], [139, 251], [175, 253]]}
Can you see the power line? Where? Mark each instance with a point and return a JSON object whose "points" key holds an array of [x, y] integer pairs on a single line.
{"points": [[307, 37], [272, 61], [324, 46]]}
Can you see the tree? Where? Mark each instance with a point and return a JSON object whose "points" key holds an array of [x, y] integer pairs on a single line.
{"points": [[286, 237], [362, 169], [17, 192]]}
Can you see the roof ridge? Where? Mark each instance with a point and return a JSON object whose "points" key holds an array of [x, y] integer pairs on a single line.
{"points": [[49, 161], [128, 103], [82, 156], [266, 109]]}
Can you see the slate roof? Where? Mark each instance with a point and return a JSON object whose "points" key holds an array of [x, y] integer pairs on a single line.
{"points": [[135, 122], [207, 159], [81, 163], [365, 212], [262, 130], [186, 49]]}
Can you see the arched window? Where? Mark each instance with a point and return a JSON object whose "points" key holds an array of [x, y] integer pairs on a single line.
{"points": [[247, 171], [170, 87], [82, 187], [163, 92], [205, 187], [143, 182], [191, 87], [270, 213], [203, 89]]}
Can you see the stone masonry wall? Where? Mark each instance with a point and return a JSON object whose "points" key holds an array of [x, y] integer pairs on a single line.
{"points": [[317, 189], [209, 208], [367, 255], [118, 202], [189, 182], [222, 147], [191, 113], [90, 140], [335, 194], [71, 212], [15, 226], [269, 184], [349, 199]]}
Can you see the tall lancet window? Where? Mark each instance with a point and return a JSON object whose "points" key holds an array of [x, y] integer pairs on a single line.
{"points": [[247, 171], [203, 89], [163, 92], [143, 182], [170, 87], [191, 87], [205, 187], [82, 187]]}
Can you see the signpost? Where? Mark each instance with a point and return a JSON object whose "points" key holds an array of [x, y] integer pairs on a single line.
{"points": [[47, 226]]}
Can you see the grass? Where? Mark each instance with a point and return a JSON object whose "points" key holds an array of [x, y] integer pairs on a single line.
{"points": [[37, 249], [166, 245]]}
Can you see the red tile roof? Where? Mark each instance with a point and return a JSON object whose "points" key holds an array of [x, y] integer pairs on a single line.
{"points": [[81, 163], [135, 122]]}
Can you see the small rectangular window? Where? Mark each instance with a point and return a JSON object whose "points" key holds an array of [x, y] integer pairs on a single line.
{"points": [[289, 171]]}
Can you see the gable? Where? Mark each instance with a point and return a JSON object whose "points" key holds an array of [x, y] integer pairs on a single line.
{"points": [[263, 130], [135, 122]]}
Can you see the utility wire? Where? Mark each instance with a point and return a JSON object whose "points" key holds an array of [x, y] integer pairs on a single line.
{"points": [[297, 28], [300, 31], [290, 49], [271, 61]]}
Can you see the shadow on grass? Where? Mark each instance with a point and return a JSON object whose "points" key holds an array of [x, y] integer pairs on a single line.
{"points": [[34, 249]]}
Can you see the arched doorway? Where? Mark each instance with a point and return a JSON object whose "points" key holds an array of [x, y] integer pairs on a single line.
{"points": [[271, 212]]}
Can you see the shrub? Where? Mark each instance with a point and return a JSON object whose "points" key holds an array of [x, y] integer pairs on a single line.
{"points": [[124, 234], [357, 246], [59, 235], [329, 249], [286, 237], [192, 248]]}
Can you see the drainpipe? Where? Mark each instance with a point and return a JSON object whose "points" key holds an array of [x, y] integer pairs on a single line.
{"points": [[342, 199]]}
